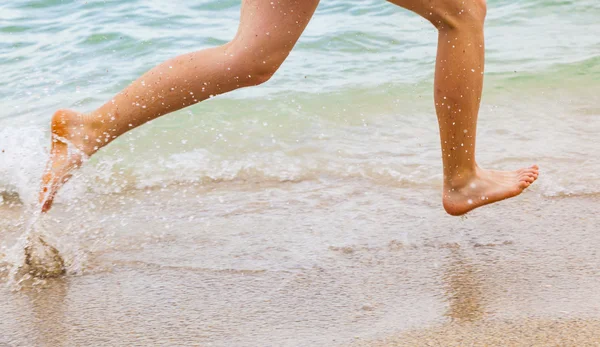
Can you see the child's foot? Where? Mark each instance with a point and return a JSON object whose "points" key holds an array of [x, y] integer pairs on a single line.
{"points": [[70, 146], [486, 187]]}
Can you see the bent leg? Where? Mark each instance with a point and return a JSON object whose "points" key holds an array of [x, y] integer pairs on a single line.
{"points": [[267, 33], [458, 87]]}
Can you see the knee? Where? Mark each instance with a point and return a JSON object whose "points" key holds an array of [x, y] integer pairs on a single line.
{"points": [[256, 65], [460, 14], [259, 70]]}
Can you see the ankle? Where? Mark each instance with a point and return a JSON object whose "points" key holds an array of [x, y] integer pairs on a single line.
{"points": [[460, 178], [96, 133]]}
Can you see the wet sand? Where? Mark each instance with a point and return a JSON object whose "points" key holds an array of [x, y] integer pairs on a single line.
{"points": [[312, 263], [520, 333]]}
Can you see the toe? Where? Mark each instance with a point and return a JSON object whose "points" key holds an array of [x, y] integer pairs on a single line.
{"points": [[46, 197], [532, 168], [526, 176], [529, 170], [49, 191], [47, 194], [47, 205]]}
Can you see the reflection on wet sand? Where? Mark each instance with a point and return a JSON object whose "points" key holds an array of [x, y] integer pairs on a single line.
{"points": [[37, 315], [464, 283], [470, 286], [463, 289], [47, 304]]}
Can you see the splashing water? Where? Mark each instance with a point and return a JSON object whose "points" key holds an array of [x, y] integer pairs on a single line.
{"points": [[32, 257]]}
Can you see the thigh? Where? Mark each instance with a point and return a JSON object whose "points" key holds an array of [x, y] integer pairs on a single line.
{"points": [[272, 27]]}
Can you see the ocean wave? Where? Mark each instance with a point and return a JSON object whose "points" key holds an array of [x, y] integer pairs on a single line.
{"points": [[19, 178], [22, 157], [202, 167]]}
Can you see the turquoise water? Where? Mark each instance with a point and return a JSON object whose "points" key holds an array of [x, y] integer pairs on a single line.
{"points": [[353, 99]]}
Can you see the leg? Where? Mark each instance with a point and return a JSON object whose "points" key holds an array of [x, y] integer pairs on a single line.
{"points": [[267, 33], [458, 86]]}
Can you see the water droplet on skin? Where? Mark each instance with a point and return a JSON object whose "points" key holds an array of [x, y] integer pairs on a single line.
{"points": [[470, 202]]}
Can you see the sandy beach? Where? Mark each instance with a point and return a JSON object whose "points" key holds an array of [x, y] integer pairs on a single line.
{"points": [[269, 270], [519, 333]]}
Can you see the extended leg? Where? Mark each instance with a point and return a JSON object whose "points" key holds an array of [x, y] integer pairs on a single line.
{"points": [[268, 31], [458, 87]]}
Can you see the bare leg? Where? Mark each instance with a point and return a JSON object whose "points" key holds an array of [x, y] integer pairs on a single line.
{"points": [[268, 31], [458, 87]]}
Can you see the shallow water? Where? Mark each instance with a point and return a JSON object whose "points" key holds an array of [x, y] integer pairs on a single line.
{"points": [[298, 264], [305, 211]]}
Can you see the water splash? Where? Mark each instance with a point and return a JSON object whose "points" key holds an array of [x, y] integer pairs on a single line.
{"points": [[33, 257]]}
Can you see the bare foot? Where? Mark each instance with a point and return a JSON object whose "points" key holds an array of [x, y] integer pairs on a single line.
{"points": [[70, 146], [487, 187]]}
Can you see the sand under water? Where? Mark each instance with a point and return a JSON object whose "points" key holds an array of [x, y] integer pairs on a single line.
{"points": [[311, 263]]}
